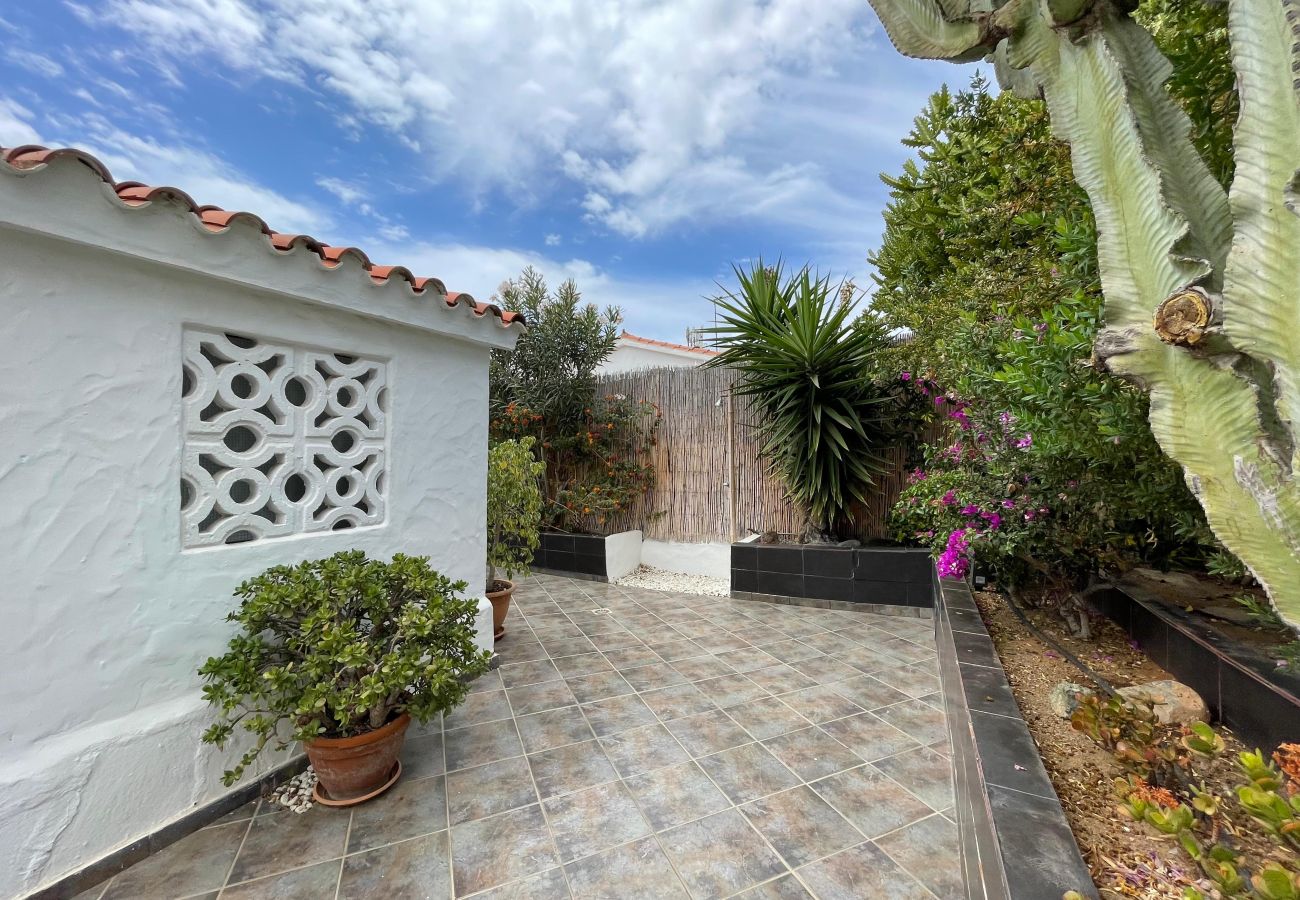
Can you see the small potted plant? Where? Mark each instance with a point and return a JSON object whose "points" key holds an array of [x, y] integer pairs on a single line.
{"points": [[340, 654], [514, 513]]}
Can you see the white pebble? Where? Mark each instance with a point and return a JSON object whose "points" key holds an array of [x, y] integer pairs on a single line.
{"points": [[658, 580]]}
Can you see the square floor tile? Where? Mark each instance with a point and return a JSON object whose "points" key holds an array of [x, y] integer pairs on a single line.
{"points": [[618, 714], [559, 647], [747, 772], [928, 851], [501, 848], [821, 704], [792, 651], [600, 686], [582, 664], [748, 659], [708, 732], [872, 802], [197, 862], [908, 651], [533, 672], [867, 692], [868, 737], [589, 821], [615, 640], [488, 681], [631, 657], [695, 850], [923, 722], [553, 728], [698, 668], [780, 679], [868, 660], [286, 840], [824, 669], [532, 698], [548, 885], [861, 873], [678, 648], [422, 757], [924, 772], [677, 701], [319, 880], [635, 871], [406, 810], [419, 867], [801, 825], [656, 675], [784, 888], [767, 718], [483, 791], [729, 690], [911, 680], [481, 744], [639, 750], [812, 753], [570, 768], [488, 706], [676, 795]]}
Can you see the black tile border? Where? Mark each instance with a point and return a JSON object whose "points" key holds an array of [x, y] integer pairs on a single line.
{"points": [[865, 577], [572, 555], [1015, 842], [123, 858], [1243, 689]]}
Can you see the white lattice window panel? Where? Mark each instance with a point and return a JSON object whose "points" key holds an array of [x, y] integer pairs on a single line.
{"points": [[279, 439]]}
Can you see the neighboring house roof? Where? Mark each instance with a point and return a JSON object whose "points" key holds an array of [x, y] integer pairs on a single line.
{"points": [[217, 220], [666, 345]]}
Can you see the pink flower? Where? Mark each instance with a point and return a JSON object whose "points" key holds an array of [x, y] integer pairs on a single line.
{"points": [[949, 498], [1025, 442], [969, 510], [1008, 504], [906, 376]]}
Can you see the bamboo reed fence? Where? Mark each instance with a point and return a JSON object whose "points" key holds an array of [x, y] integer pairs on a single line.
{"points": [[711, 483]]}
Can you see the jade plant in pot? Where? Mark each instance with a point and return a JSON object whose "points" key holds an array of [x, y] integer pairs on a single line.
{"points": [[514, 513], [340, 654]]}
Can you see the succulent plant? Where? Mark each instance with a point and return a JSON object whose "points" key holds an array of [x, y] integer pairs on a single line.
{"points": [[1202, 286]]}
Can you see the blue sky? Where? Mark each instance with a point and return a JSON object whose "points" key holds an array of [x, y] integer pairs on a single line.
{"points": [[638, 147]]}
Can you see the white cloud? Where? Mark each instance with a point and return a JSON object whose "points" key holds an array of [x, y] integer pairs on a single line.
{"points": [[553, 240], [653, 308], [659, 113], [16, 126], [348, 193], [34, 62], [206, 177]]}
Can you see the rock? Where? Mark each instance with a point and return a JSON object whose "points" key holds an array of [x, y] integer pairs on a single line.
{"points": [[1064, 698], [1172, 701], [851, 542]]}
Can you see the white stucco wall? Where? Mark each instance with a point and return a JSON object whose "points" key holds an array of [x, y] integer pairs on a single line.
{"points": [[622, 553], [713, 560], [628, 356], [105, 617]]}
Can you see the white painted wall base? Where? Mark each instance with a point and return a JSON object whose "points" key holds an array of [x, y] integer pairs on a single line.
{"points": [[713, 560], [622, 554]]}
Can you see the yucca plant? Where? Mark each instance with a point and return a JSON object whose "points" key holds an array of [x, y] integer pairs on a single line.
{"points": [[807, 360]]}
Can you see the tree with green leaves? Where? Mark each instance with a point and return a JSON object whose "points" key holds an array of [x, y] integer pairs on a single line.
{"points": [[809, 362], [1201, 284]]}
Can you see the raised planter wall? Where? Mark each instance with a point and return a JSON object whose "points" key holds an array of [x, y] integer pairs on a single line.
{"points": [[1243, 689], [591, 556], [877, 576], [1015, 842]]}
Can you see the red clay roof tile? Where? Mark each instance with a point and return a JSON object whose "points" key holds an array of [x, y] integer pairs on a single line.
{"points": [[216, 219], [637, 339]]}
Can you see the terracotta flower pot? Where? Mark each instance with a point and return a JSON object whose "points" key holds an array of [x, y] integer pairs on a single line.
{"points": [[500, 606], [352, 770]]}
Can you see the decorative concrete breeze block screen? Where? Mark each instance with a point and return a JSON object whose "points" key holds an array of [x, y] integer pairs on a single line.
{"points": [[279, 439]]}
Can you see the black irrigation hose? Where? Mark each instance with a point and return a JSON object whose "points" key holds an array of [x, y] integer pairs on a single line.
{"points": [[1051, 642]]}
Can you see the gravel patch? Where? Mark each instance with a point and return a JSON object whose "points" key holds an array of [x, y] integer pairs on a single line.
{"points": [[659, 580]]}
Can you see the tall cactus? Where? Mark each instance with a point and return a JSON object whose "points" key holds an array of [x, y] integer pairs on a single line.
{"points": [[1202, 288]]}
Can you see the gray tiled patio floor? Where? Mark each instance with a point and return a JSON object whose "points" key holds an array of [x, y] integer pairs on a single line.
{"points": [[635, 744]]}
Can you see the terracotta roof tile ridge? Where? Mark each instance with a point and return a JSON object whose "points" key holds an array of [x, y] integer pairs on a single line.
{"points": [[134, 194], [703, 351]]}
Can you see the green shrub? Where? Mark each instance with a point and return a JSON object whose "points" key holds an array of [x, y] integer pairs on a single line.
{"points": [[514, 507], [338, 647]]}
